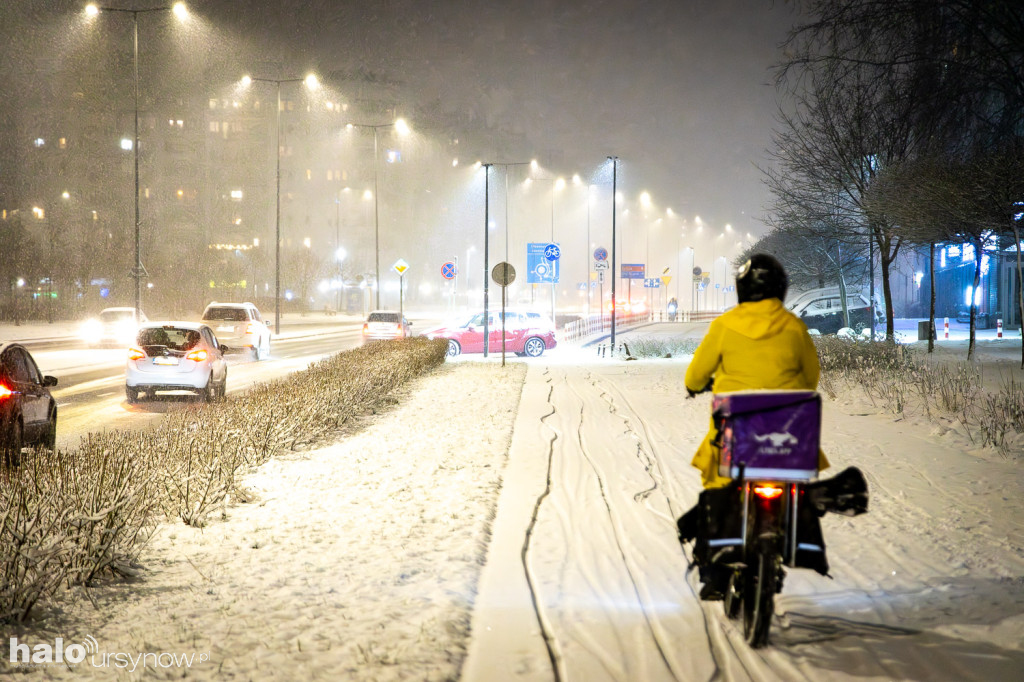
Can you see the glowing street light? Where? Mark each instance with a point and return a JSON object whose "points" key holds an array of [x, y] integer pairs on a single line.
{"points": [[312, 84], [402, 128], [179, 10]]}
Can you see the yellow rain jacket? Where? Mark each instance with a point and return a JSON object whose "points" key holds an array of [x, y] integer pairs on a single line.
{"points": [[755, 345]]}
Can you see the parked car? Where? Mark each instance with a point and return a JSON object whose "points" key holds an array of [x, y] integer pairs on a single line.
{"points": [[240, 327], [963, 315], [526, 334], [386, 324], [28, 413], [822, 309], [176, 356], [112, 327]]}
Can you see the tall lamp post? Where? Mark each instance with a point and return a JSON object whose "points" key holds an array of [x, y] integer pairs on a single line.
{"points": [[615, 181], [138, 271], [311, 83], [402, 128]]}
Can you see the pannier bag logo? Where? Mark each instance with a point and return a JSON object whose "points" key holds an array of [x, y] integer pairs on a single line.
{"points": [[778, 442]]}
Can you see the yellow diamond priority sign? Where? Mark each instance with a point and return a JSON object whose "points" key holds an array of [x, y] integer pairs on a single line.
{"points": [[400, 266]]}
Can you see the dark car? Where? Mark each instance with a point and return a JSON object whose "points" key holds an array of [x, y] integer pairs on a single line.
{"points": [[28, 413]]}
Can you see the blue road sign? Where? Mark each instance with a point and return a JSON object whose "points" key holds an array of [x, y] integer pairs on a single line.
{"points": [[632, 271], [448, 270], [600, 253], [552, 252], [540, 270], [652, 283]]}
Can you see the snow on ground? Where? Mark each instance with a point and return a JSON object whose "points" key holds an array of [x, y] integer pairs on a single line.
{"points": [[417, 548]]}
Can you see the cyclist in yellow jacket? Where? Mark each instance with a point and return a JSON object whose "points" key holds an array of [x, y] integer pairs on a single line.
{"points": [[756, 345]]}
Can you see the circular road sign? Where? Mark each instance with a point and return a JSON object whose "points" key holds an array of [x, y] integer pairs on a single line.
{"points": [[600, 253], [697, 271], [448, 270], [552, 252], [503, 274]]}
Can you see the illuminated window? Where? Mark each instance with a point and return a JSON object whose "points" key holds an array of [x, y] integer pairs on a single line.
{"points": [[39, 142], [62, 143], [213, 104], [236, 194], [214, 126], [309, 174]]}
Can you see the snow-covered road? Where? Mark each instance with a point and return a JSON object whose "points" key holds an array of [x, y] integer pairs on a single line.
{"points": [[585, 579]]}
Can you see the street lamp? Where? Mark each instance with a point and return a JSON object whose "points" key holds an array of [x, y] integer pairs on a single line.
{"points": [[402, 128], [311, 83], [179, 10], [615, 180]]}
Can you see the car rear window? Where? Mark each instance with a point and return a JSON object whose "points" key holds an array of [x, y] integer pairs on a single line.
{"points": [[226, 314], [383, 317], [171, 337]]}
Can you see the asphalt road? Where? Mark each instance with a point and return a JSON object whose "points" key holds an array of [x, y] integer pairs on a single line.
{"points": [[90, 391]]}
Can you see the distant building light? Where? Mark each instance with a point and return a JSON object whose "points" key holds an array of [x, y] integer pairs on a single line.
{"points": [[126, 144], [39, 142], [394, 156], [236, 194]]}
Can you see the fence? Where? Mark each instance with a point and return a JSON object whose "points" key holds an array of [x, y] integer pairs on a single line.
{"points": [[595, 325]]}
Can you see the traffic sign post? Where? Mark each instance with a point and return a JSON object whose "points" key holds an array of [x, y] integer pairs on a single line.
{"points": [[503, 274], [400, 267]]}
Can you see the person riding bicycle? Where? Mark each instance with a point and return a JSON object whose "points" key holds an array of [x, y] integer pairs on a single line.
{"points": [[756, 345]]}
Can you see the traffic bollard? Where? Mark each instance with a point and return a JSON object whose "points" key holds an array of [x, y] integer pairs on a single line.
{"points": [[945, 325], [999, 328]]}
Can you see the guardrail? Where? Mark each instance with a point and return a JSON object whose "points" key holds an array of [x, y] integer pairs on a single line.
{"points": [[598, 325]]}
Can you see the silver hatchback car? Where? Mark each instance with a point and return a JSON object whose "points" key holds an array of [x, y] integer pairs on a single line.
{"points": [[176, 356]]}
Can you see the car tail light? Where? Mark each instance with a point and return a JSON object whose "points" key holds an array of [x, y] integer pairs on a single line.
{"points": [[198, 355], [5, 392], [767, 492], [135, 354], [366, 327]]}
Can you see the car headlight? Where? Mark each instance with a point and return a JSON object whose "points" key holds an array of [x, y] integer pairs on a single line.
{"points": [[90, 330]]}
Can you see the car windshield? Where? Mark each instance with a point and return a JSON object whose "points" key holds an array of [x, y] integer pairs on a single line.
{"points": [[384, 317], [226, 314], [171, 337], [111, 316]]}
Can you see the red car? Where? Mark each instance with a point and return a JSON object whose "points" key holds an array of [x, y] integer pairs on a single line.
{"points": [[526, 334]]}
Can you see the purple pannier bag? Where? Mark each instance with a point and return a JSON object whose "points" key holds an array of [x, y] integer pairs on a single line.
{"points": [[774, 433]]}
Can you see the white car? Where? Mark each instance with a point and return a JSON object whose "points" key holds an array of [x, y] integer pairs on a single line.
{"points": [[386, 324], [239, 326], [113, 326], [176, 356]]}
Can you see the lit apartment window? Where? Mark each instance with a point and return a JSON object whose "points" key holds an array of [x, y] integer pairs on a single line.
{"points": [[39, 142], [309, 174], [214, 126], [213, 104], [236, 194], [62, 143], [145, 192]]}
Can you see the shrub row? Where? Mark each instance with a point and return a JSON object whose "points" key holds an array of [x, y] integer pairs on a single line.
{"points": [[898, 380], [67, 517]]}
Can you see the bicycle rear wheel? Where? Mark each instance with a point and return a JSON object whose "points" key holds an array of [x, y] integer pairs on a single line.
{"points": [[760, 583]]}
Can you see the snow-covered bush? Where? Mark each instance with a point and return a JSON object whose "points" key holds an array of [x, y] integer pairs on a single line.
{"points": [[67, 517]]}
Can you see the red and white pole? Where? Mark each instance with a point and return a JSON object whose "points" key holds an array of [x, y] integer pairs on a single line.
{"points": [[945, 325], [999, 328]]}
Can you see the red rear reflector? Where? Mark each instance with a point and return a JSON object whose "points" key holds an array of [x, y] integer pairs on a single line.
{"points": [[135, 354], [198, 355], [5, 392], [767, 492]]}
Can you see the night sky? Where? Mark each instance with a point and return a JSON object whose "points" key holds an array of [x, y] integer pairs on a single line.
{"points": [[680, 90]]}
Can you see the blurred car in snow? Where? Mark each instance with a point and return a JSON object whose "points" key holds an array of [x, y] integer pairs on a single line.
{"points": [[526, 333], [822, 309], [28, 413], [176, 356], [386, 324], [240, 327], [112, 327]]}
